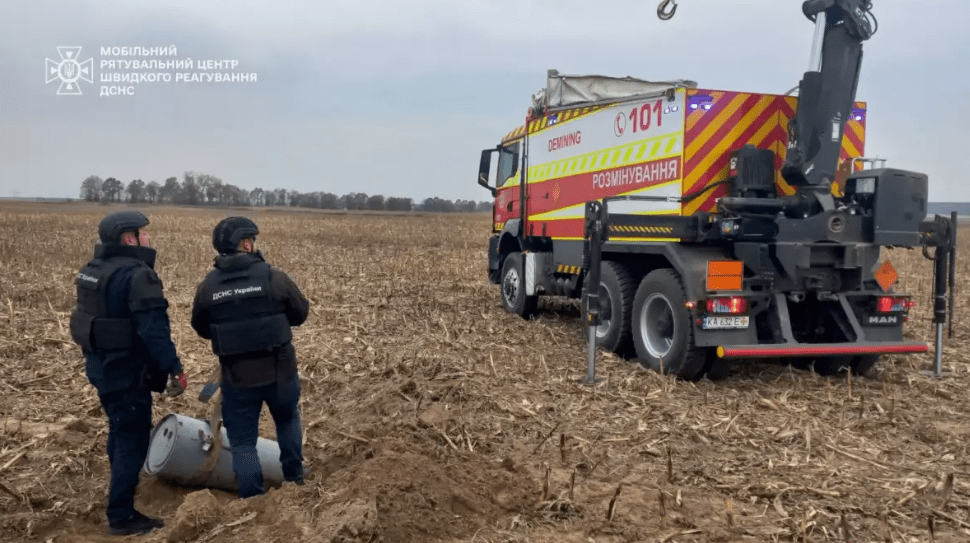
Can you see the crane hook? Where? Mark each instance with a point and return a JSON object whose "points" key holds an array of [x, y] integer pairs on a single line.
{"points": [[661, 9]]}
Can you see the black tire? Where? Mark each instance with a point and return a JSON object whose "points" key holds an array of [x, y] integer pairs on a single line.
{"points": [[662, 329], [834, 365], [828, 366], [615, 305], [512, 288], [861, 365], [716, 368]]}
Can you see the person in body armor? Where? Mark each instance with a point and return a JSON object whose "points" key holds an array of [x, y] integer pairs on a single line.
{"points": [[246, 308], [121, 323]]}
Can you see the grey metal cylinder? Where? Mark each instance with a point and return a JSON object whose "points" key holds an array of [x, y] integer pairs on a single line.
{"points": [[177, 453], [938, 354]]}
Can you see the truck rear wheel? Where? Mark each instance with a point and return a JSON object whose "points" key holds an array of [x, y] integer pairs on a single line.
{"points": [[860, 365], [514, 299], [662, 331], [716, 368], [615, 303]]}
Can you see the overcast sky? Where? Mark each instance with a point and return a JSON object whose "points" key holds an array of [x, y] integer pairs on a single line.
{"points": [[398, 97]]}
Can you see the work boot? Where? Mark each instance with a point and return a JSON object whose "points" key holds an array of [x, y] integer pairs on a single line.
{"points": [[154, 521], [136, 524], [303, 476]]}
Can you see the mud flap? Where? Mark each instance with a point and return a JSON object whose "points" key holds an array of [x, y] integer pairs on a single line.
{"points": [[530, 274], [494, 260]]}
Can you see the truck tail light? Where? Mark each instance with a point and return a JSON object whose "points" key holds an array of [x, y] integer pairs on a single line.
{"points": [[893, 304], [730, 304]]}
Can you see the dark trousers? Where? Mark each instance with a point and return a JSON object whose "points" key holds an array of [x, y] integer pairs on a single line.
{"points": [[129, 432], [240, 413]]}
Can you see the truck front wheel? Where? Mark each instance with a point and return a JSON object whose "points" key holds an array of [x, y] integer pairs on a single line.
{"points": [[662, 331], [514, 299]]}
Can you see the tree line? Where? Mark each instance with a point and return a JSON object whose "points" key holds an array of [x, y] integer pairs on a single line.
{"points": [[205, 189]]}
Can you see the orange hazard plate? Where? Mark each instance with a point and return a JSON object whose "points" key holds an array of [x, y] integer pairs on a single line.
{"points": [[886, 276], [725, 275]]}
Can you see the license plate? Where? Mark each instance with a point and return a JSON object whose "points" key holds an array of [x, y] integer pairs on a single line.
{"points": [[722, 323]]}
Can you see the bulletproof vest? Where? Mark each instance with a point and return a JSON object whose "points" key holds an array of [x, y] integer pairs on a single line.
{"points": [[91, 327], [245, 318]]}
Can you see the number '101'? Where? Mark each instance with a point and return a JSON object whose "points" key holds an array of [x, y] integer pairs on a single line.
{"points": [[640, 116]]}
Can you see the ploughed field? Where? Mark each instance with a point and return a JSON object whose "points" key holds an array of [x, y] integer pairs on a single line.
{"points": [[432, 415]]}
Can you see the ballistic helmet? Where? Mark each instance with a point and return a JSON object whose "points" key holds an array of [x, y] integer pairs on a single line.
{"points": [[230, 231], [114, 224]]}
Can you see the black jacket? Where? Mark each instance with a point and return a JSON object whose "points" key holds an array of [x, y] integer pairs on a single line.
{"points": [[245, 307], [132, 299]]}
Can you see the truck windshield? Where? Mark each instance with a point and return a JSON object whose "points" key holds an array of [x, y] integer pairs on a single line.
{"points": [[507, 157]]}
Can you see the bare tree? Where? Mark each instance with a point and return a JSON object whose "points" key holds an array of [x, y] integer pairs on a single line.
{"points": [[136, 191], [329, 201], [210, 188], [152, 190], [280, 195], [256, 197], [399, 204], [170, 191], [356, 201], [376, 202], [191, 190], [111, 189], [438, 205], [91, 188]]}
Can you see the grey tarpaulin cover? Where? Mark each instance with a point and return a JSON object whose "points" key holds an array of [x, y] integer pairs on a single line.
{"points": [[564, 91]]}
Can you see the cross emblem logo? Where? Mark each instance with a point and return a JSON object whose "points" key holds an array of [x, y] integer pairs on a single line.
{"points": [[69, 70]]}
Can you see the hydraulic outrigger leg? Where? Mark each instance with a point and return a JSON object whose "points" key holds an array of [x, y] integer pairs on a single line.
{"points": [[941, 233], [594, 235]]}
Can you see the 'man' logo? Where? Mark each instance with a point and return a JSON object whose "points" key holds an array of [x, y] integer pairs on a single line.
{"points": [[883, 319], [69, 70]]}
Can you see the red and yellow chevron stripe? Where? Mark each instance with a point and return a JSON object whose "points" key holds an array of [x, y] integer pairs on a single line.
{"points": [[559, 117], [514, 135], [674, 163], [737, 119]]}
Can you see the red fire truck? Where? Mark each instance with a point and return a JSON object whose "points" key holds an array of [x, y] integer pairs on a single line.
{"points": [[726, 225]]}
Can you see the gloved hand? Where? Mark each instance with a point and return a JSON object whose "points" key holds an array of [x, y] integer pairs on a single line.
{"points": [[176, 384]]}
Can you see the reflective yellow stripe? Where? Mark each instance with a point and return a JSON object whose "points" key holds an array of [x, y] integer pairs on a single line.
{"points": [[649, 149], [643, 229], [573, 270]]}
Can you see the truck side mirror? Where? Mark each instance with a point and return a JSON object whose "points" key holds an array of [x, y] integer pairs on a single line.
{"points": [[483, 168]]}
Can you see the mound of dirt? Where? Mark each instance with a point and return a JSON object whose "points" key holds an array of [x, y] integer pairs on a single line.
{"points": [[199, 512], [405, 489]]}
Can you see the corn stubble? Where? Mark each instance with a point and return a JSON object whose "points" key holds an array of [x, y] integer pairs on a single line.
{"points": [[405, 328]]}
